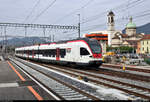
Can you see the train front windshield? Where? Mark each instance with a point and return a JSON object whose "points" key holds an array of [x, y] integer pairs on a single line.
{"points": [[95, 46]]}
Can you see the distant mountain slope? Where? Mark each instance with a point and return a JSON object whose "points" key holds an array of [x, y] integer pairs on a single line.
{"points": [[24, 41], [142, 29]]}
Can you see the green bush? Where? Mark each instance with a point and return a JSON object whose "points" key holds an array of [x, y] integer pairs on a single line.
{"points": [[147, 60], [122, 49]]}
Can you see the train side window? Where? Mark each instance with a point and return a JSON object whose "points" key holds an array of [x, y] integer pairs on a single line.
{"points": [[84, 51], [62, 53], [35, 52], [53, 52], [41, 52], [44, 53], [47, 53], [30, 52]]}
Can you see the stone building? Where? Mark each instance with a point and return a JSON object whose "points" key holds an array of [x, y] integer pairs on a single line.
{"points": [[111, 31], [129, 39], [131, 28], [115, 37], [105, 37]]}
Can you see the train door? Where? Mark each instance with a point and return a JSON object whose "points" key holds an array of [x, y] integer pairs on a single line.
{"points": [[57, 54], [84, 55], [28, 54], [32, 53], [22, 53]]}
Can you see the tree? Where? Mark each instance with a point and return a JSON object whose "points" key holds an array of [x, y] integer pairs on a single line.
{"points": [[121, 49]]}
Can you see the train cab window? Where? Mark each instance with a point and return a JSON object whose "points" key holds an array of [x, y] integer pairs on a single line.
{"points": [[84, 51]]}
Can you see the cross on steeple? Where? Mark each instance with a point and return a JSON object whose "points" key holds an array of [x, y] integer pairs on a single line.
{"points": [[131, 19]]}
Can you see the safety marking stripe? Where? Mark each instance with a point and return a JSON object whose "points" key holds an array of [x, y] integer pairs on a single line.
{"points": [[29, 87], [35, 93], [16, 71]]}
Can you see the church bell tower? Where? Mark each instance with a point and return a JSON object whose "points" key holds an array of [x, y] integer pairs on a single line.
{"points": [[111, 27], [110, 21]]}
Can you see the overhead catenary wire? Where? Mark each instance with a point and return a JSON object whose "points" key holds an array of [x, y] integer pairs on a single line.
{"points": [[27, 17], [43, 11], [71, 13], [120, 7], [120, 19], [132, 4], [117, 20]]}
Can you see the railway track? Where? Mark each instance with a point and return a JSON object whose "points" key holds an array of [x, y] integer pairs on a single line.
{"points": [[62, 90], [136, 91], [145, 70]]}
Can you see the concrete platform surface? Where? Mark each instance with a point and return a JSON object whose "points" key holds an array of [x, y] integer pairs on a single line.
{"points": [[13, 87]]}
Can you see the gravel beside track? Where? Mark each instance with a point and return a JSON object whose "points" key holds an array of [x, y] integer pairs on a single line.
{"points": [[140, 90], [134, 82], [66, 92], [102, 80], [79, 85]]}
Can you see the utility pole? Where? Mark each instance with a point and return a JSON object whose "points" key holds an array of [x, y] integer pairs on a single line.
{"points": [[79, 26], [50, 38], [25, 33], [5, 42], [1, 40], [44, 33], [53, 38]]}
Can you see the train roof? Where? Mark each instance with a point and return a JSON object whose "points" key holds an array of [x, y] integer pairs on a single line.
{"points": [[64, 41]]}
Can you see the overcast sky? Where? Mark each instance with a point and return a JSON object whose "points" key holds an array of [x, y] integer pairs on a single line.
{"points": [[64, 12]]}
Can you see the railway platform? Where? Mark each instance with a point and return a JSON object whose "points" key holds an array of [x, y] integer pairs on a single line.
{"points": [[15, 85]]}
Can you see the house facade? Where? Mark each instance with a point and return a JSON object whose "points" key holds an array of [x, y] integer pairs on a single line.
{"points": [[144, 44]]}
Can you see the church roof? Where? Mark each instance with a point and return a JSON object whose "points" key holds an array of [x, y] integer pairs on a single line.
{"points": [[111, 13], [131, 24], [146, 37], [127, 36], [132, 42], [124, 35], [116, 37]]}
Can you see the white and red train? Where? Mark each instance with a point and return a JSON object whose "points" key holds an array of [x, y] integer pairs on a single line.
{"points": [[83, 52]]}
